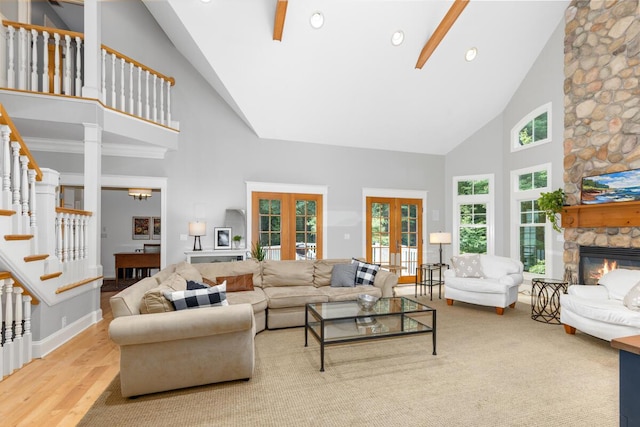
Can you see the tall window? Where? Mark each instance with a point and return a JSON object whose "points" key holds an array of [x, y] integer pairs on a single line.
{"points": [[531, 233], [533, 129], [473, 207]]}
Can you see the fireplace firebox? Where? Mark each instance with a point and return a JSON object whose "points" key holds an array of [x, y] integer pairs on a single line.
{"points": [[596, 261]]}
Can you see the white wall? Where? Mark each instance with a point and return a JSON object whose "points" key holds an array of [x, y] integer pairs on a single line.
{"points": [[118, 210]]}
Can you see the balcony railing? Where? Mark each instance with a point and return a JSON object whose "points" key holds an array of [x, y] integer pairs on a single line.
{"points": [[50, 60]]}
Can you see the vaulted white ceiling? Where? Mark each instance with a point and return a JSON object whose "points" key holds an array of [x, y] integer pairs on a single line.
{"points": [[345, 83]]}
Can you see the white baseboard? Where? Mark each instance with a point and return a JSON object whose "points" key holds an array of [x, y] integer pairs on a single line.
{"points": [[55, 340]]}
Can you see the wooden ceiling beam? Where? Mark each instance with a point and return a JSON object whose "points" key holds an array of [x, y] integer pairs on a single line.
{"points": [[281, 13], [443, 28]]}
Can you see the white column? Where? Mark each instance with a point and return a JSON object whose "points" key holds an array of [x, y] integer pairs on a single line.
{"points": [[11, 67], [155, 98], [66, 237], [27, 328], [103, 78], [78, 86], [161, 101], [2, 373], [56, 64], [9, 362], [92, 189], [22, 58], [19, 351], [15, 175], [131, 110], [46, 204], [24, 193], [76, 237], [34, 60], [169, 104], [113, 80], [92, 47], [123, 105], [45, 61], [139, 110], [4, 41], [66, 86], [5, 133]]}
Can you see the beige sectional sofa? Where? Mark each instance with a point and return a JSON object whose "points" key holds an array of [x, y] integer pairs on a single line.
{"points": [[214, 344]]}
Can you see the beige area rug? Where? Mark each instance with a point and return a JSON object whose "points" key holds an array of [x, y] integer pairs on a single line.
{"points": [[490, 371]]}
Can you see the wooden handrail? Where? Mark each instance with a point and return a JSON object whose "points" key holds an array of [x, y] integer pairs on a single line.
{"points": [[15, 136], [81, 36], [41, 29], [77, 284], [8, 275], [73, 211]]}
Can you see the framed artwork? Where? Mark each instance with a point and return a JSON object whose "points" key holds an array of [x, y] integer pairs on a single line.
{"points": [[140, 227], [611, 187], [222, 238], [156, 228]]}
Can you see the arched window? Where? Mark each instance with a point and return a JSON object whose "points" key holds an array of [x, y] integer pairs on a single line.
{"points": [[533, 129]]}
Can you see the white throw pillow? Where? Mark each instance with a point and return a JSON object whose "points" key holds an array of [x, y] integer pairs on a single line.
{"points": [[619, 282], [632, 299], [467, 265]]}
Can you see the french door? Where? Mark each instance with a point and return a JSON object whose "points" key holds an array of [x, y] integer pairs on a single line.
{"points": [[287, 225], [394, 235]]}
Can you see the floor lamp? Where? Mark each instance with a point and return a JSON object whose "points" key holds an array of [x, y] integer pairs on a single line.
{"points": [[440, 238]]}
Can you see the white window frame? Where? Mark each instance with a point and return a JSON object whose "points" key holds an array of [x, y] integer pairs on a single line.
{"points": [[487, 199], [516, 197], [515, 131]]}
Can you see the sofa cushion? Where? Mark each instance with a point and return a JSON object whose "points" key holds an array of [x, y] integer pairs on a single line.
{"points": [[467, 265], [344, 275], [323, 268], [213, 270], [243, 282], [212, 296], [350, 294], [619, 282], [287, 273], [293, 296], [494, 266], [477, 284], [256, 298], [188, 271], [608, 310], [154, 301], [365, 272], [632, 299], [191, 285]]}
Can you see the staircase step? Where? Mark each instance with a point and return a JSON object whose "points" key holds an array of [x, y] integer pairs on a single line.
{"points": [[32, 258], [18, 237], [51, 275], [7, 212]]}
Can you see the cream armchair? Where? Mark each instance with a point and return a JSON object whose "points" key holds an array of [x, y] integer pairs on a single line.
{"points": [[484, 280]]}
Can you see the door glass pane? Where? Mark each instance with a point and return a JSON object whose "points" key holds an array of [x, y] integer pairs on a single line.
{"points": [[409, 240], [269, 222], [380, 233], [306, 229]]}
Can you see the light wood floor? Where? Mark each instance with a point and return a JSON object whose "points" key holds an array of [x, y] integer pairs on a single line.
{"points": [[59, 389]]}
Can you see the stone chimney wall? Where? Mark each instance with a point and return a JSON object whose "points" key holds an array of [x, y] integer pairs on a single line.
{"points": [[602, 108]]}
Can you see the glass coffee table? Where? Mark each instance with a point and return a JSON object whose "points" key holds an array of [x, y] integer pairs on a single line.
{"points": [[343, 321]]}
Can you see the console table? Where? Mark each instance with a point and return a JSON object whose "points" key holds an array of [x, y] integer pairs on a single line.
{"points": [[194, 257], [136, 260]]}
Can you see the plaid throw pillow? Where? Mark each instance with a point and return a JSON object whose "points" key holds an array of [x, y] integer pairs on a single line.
{"points": [[209, 297], [365, 273]]}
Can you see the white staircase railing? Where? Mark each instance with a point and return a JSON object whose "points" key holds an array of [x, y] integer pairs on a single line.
{"points": [[49, 60], [15, 337]]}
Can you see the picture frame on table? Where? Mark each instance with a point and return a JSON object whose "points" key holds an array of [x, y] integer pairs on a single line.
{"points": [[221, 238], [156, 228], [141, 228], [611, 187]]}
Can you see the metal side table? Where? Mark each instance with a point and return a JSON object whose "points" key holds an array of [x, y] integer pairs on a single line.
{"points": [[545, 299], [430, 275]]}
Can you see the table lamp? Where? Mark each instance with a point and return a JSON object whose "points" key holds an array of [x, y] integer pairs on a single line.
{"points": [[197, 229], [440, 238]]}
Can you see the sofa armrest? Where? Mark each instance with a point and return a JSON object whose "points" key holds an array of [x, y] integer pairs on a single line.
{"points": [[182, 324], [589, 292], [386, 281], [514, 279]]}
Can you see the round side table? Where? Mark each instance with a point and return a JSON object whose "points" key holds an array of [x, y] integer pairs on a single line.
{"points": [[545, 299]]}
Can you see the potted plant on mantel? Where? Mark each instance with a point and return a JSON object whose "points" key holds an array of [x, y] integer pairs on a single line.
{"points": [[551, 204], [236, 241]]}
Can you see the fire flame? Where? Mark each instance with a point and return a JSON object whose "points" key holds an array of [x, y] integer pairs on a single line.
{"points": [[606, 267]]}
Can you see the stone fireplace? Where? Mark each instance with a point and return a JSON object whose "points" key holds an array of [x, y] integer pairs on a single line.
{"points": [[602, 109]]}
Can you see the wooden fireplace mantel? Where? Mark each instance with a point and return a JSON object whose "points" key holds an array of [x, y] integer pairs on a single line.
{"points": [[621, 214]]}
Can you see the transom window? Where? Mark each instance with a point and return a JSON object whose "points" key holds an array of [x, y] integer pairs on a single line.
{"points": [[473, 207], [533, 129]]}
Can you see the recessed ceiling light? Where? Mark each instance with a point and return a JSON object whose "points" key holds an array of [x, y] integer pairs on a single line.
{"points": [[397, 38], [471, 54], [205, 1], [316, 20]]}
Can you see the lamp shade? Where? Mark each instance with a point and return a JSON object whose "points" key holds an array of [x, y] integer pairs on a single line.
{"points": [[197, 228], [440, 238]]}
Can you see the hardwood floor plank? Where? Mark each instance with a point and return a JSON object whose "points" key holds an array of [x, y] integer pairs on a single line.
{"points": [[60, 389]]}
